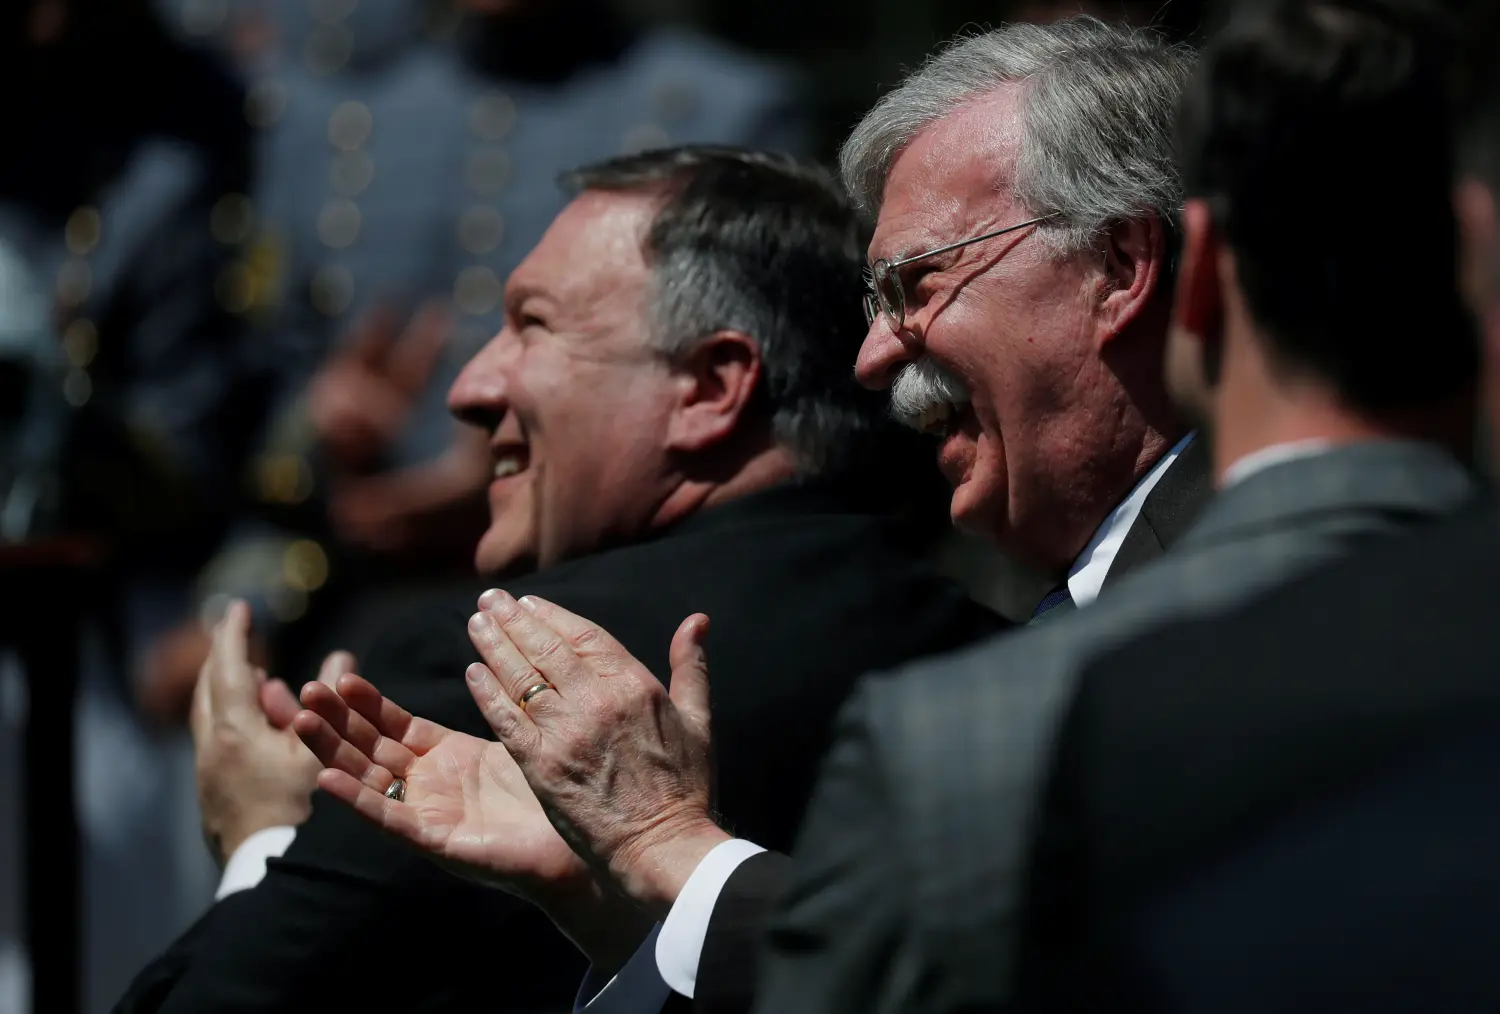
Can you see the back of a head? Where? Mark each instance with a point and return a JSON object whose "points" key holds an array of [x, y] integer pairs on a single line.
{"points": [[1096, 121], [1479, 119], [1477, 90], [770, 246], [1320, 134]]}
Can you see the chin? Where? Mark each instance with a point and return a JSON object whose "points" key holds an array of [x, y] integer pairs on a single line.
{"points": [[503, 554], [979, 509]]}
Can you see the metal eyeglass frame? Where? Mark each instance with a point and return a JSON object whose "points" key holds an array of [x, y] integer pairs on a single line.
{"points": [[878, 296]]}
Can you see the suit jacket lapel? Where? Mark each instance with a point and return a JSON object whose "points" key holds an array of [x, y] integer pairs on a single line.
{"points": [[1169, 511]]}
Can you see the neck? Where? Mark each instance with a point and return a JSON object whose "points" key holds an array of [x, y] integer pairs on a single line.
{"points": [[1143, 425], [1261, 404], [704, 488]]}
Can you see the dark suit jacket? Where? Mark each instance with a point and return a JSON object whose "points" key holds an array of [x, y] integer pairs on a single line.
{"points": [[910, 870], [727, 966], [1295, 808], [803, 589]]}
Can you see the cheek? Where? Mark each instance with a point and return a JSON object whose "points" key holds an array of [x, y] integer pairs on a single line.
{"points": [[1014, 373], [510, 542], [602, 452], [1017, 335]]}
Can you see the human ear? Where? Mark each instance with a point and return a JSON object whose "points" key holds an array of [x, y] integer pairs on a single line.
{"points": [[1134, 267], [715, 382], [1199, 301]]}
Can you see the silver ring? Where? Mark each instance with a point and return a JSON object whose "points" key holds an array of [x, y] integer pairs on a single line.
{"points": [[396, 790], [533, 690]]}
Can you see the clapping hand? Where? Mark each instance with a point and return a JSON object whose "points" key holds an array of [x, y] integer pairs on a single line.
{"points": [[252, 772], [464, 799], [622, 766]]}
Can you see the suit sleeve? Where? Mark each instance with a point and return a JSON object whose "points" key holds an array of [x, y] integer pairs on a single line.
{"points": [[727, 965], [836, 943]]}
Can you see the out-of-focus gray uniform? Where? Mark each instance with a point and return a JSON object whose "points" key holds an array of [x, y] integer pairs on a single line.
{"points": [[142, 399]]}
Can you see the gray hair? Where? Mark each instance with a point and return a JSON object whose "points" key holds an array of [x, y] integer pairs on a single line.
{"points": [[771, 247], [1097, 115]]}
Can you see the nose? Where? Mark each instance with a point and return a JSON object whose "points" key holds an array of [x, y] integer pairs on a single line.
{"points": [[478, 396], [882, 356]]}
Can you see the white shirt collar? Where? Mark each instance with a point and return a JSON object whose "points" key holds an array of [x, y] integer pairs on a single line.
{"points": [[1276, 454], [1092, 566]]}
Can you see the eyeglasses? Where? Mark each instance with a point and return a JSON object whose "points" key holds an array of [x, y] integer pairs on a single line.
{"points": [[885, 293]]}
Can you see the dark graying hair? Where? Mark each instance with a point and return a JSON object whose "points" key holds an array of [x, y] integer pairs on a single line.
{"points": [[1294, 100], [1097, 113], [1478, 94], [771, 247]]}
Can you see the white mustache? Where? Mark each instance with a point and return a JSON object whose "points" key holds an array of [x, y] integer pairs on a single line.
{"points": [[922, 386]]}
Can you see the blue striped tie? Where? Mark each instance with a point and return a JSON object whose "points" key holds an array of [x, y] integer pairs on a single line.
{"points": [[1056, 597]]}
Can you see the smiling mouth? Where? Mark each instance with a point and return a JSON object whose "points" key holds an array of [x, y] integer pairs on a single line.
{"points": [[941, 419], [934, 419], [511, 461]]}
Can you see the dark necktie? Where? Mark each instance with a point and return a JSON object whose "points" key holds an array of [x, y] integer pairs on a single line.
{"points": [[1057, 598]]}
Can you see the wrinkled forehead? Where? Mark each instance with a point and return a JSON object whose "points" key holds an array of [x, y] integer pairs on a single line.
{"points": [[953, 179]]}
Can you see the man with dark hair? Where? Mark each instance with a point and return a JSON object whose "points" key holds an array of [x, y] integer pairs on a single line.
{"points": [[674, 427], [1297, 807], [905, 890], [1266, 142]]}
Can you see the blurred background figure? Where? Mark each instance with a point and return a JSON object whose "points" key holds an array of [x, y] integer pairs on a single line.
{"points": [[129, 398]]}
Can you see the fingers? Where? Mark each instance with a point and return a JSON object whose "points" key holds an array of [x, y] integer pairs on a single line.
{"points": [[231, 636], [371, 339], [393, 721], [413, 358], [232, 690], [517, 652], [279, 703], [689, 685], [335, 665], [200, 712], [510, 722], [336, 752], [605, 655], [373, 805], [353, 728]]}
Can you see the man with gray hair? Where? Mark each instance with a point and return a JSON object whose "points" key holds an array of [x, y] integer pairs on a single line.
{"points": [[1027, 205], [1019, 309]]}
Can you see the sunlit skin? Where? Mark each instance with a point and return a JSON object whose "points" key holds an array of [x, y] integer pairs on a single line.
{"points": [[602, 438], [1061, 356]]}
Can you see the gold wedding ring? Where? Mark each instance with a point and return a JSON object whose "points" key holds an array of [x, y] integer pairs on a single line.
{"points": [[533, 690]]}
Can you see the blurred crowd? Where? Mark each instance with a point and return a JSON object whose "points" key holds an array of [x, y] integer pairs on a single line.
{"points": [[272, 275]]}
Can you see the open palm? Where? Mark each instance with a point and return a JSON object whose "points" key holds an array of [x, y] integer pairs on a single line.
{"points": [[466, 803]]}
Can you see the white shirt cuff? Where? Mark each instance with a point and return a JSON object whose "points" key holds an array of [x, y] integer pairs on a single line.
{"points": [[247, 866], [637, 988], [679, 945], [667, 959]]}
